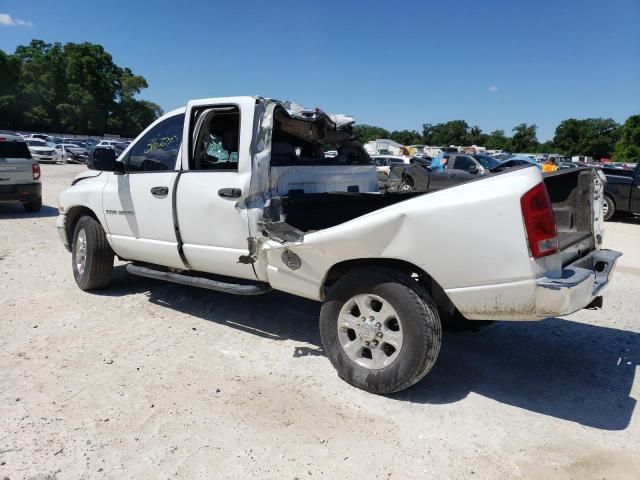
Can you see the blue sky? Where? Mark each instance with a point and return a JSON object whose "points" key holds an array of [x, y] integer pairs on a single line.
{"points": [[395, 64]]}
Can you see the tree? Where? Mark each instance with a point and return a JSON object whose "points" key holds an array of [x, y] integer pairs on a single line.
{"points": [[476, 137], [628, 147], [455, 132], [595, 137], [524, 138], [497, 140], [366, 133], [75, 88], [406, 137], [9, 73]]}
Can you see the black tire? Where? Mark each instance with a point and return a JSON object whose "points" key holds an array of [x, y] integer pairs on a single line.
{"points": [[609, 206], [33, 206], [98, 264], [406, 185], [417, 314]]}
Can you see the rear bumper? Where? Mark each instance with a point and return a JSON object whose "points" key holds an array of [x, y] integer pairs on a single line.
{"points": [[580, 283], [20, 193]]}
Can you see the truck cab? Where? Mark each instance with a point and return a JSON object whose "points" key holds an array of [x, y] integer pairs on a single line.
{"points": [[220, 160]]}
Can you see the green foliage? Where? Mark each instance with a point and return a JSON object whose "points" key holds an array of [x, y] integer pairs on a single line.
{"points": [[595, 137], [454, 132], [524, 138], [71, 88], [476, 137], [406, 137], [628, 148], [366, 133], [497, 140]]}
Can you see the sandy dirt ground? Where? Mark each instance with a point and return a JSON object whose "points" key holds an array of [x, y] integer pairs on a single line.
{"points": [[152, 380]]}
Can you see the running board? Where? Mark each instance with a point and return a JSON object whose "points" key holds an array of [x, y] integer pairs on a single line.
{"points": [[235, 288]]}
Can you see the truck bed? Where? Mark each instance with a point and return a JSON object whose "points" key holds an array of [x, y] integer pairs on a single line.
{"points": [[571, 192]]}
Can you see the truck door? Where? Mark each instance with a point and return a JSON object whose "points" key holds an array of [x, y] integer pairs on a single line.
{"points": [[138, 204], [635, 192], [216, 163]]}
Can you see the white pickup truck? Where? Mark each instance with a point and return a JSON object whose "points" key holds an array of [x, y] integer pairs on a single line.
{"points": [[236, 195]]}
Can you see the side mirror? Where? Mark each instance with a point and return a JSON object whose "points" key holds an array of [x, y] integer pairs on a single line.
{"points": [[104, 159], [473, 170]]}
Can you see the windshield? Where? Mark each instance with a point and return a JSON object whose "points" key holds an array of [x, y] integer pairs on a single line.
{"points": [[36, 143], [487, 162], [14, 150]]}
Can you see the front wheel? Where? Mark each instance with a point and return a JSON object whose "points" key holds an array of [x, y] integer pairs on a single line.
{"points": [[608, 207], [406, 185], [380, 330], [91, 255]]}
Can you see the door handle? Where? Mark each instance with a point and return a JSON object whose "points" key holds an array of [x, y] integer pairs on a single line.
{"points": [[160, 191], [229, 192]]}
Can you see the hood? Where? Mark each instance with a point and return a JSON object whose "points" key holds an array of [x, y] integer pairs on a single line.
{"points": [[85, 174], [40, 149]]}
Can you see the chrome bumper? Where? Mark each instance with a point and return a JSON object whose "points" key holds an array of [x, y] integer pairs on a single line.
{"points": [[579, 284]]}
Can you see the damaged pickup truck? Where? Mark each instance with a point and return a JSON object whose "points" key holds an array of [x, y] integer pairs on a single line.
{"points": [[236, 195]]}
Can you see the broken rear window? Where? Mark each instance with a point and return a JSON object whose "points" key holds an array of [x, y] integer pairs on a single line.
{"points": [[300, 142]]}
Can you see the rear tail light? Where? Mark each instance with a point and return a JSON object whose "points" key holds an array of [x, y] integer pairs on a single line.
{"points": [[539, 222], [35, 168]]}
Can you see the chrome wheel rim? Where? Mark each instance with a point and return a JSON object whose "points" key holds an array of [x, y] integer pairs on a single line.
{"points": [[605, 207], [81, 251], [370, 331]]}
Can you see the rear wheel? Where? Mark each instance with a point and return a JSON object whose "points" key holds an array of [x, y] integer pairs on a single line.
{"points": [[380, 330], [406, 185], [608, 207], [33, 206], [91, 255]]}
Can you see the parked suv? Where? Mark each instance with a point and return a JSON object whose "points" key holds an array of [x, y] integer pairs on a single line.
{"points": [[19, 173]]}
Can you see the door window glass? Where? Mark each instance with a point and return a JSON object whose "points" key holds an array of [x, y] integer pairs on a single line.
{"points": [[465, 163], [218, 140], [158, 148]]}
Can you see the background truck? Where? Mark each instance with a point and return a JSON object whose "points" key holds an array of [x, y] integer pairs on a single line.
{"points": [[19, 173], [622, 191], [236, 195]]}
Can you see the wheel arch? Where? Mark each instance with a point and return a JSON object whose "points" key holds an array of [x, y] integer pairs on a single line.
{"points": [[74, 214], [434, 289]]}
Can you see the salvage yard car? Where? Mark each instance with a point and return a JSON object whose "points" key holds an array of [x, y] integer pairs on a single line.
{"points": [[236, 195], [19, 173], [71, 153], [622, 191], [41, 151]]}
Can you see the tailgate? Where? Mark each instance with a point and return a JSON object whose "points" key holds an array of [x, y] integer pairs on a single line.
{"points": [[576, 195], [15, 171]]}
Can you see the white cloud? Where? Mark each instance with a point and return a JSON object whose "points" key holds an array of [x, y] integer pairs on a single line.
{"points": [[8, 20], [493, 88]]}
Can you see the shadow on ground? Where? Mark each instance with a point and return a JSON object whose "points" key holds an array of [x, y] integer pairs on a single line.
{"points": [[13, 211], [625, 218], [572, 371]]}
